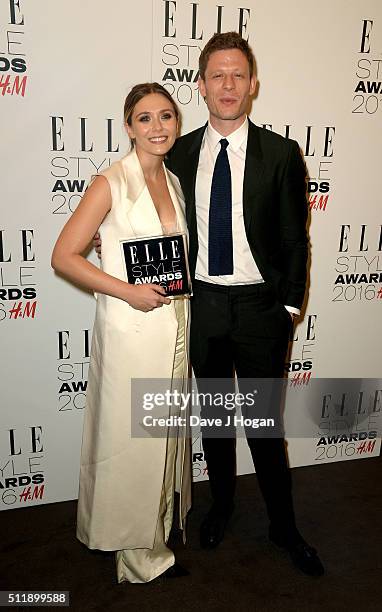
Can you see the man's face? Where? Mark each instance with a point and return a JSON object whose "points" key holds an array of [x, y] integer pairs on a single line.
{"points": [[227, 87]]}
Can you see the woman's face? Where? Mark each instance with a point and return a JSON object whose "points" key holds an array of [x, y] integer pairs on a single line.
{"points": [[153, 125]]}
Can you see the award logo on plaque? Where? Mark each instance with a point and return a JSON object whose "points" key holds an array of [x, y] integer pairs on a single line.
{"points": [[159, 259]]}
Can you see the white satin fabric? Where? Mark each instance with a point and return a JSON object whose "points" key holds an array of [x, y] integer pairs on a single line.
{"points": [[122, 477], [145, 564]]}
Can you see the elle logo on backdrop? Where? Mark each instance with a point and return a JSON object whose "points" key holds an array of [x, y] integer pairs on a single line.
{"points": [[185, 28], [350, 420], [317, 145], [72, 369], [358, 266], [17, 276], [21, 470], [74, 161], [304, 338], [368, 90], [12, 52]]}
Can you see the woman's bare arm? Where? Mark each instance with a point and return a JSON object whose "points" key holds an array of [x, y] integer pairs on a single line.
{"points": [[76, 235]]}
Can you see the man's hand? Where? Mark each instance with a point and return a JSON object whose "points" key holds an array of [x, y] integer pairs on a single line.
{"points": [[97, 243], [146, 297]]}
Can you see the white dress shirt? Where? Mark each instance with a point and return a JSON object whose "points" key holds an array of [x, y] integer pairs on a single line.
{"points": [[245, 270]]}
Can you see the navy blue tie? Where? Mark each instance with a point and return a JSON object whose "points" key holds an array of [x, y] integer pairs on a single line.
{"points": [[220, 249]]}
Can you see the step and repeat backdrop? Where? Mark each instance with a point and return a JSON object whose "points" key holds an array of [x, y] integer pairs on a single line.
{"points": [[65, 69]]}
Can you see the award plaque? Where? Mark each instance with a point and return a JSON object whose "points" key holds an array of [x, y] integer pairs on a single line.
{"points": [[159, 259]]}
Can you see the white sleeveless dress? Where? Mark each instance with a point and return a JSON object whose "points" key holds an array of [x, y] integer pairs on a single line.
{"points": [[126, 484]]}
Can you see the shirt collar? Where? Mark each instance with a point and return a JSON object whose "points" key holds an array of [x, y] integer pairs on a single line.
{"points": [[236, 139]]}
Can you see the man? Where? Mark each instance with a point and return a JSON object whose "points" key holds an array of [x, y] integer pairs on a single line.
{"points": [[246, 210]]}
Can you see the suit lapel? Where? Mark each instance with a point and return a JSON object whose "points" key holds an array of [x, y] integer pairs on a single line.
{"points": [[253, 174], [189, 176], [188, 182]]}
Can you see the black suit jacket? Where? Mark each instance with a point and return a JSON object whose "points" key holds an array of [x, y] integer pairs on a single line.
{"points": [[274, 202]]}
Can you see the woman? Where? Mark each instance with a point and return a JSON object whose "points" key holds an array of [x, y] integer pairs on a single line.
{"points": [[127, 484]]}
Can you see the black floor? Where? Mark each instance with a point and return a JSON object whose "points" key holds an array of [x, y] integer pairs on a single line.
{"points": [[339, 509]]}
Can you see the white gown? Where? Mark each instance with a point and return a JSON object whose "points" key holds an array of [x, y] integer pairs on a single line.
{"points": [[126, 483]]}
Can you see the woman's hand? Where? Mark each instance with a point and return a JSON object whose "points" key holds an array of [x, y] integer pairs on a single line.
{"points": [[146, 297], [97, 244]]}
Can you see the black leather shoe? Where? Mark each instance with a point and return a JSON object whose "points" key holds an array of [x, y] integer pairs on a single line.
{"points": [[303, 556], [212, 529], [176, 571]]}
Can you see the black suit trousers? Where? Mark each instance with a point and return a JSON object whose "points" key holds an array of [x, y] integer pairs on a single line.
{"points": [[244, 329]]}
